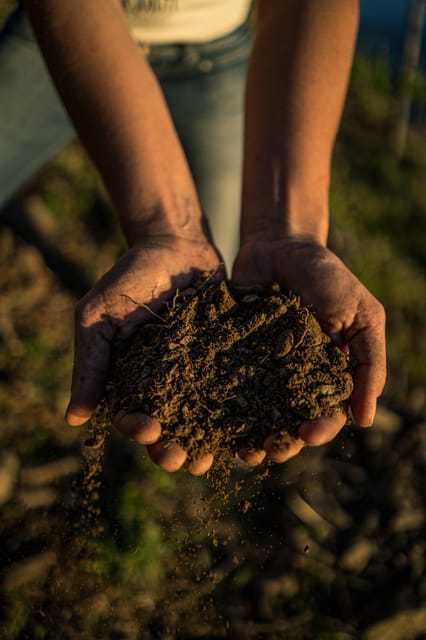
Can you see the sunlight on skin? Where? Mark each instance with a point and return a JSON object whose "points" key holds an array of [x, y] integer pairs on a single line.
{"points": [[321, 431], [200, 466], [281, 451], [364, 398], [167, 455], [171, 457], [137, 427], [252, 457], [77, 418], [144, 430]]}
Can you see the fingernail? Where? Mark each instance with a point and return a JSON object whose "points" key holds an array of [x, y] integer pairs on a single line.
{"points": [[369, 421], [76, 417]]}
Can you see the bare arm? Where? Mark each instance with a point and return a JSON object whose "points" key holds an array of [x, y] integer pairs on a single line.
{"points": [[119, 113], [296, 87], [122, 119], [297, 81]]}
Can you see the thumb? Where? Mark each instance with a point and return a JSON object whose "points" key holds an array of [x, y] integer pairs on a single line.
{"points": [[92, 354]]}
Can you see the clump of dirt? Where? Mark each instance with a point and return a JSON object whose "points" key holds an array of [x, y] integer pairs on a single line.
{"points": [[226, 366]]}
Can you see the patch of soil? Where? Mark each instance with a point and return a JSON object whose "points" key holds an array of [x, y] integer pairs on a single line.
{"points": [[227, 366]]}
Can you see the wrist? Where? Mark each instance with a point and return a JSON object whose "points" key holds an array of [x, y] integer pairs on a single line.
{"points": [[305, 223], [281, 201], [177, 216]]}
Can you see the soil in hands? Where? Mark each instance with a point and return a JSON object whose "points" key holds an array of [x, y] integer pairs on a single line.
{"points": [[225, 366]]}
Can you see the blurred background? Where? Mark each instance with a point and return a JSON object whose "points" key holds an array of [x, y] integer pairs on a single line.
{"points": [[330, 546]]}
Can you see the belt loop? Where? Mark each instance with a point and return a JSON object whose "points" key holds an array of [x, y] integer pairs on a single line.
{"points": [[190, 54]]}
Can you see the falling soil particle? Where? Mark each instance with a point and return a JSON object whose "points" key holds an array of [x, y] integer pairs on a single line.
{"points": [[226, 366]]}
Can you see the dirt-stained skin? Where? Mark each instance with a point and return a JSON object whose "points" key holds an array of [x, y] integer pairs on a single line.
{"points": [[225, 367]]}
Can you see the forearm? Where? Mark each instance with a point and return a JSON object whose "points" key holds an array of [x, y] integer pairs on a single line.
{"points": [[296, 86], [119, 113]]}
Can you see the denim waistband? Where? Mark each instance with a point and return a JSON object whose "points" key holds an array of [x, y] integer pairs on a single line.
{"points": [[189, 59], [171, 60]]}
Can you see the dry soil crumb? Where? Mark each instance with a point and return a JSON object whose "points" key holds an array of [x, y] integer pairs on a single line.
{"points": [[225, 367]]}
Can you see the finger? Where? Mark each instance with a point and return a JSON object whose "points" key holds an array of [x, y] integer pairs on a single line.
{"points": [[339, 341], [200, 466], [168, 455], [252, 457], [137, 427], [363, 400], [92, 353], [368, 347], [280, 448], [322, 430]]}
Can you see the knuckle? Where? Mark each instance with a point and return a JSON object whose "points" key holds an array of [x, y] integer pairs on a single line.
{"points": [[79, 311], [380, 313], [375, 315], [84, 314]]}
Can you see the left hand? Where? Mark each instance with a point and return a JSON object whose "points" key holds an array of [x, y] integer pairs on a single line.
{"points": [[347, 312], [125, 297]]}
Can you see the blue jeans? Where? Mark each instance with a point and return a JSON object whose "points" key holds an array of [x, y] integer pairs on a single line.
{"points": [[203, 85]]}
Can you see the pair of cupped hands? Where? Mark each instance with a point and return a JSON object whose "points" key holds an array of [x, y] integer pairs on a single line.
{"points": [[151, 271]]}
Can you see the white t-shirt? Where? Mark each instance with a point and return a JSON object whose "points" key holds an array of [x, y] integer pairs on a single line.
{"points": [[180, 21]]}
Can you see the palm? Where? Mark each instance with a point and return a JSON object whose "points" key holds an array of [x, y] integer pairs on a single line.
{"points": [[140, 282], [344, 307], [124, 297]]}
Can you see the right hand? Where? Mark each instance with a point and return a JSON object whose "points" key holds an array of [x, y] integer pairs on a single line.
{"points": [[148, 274], [347, 312]]}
